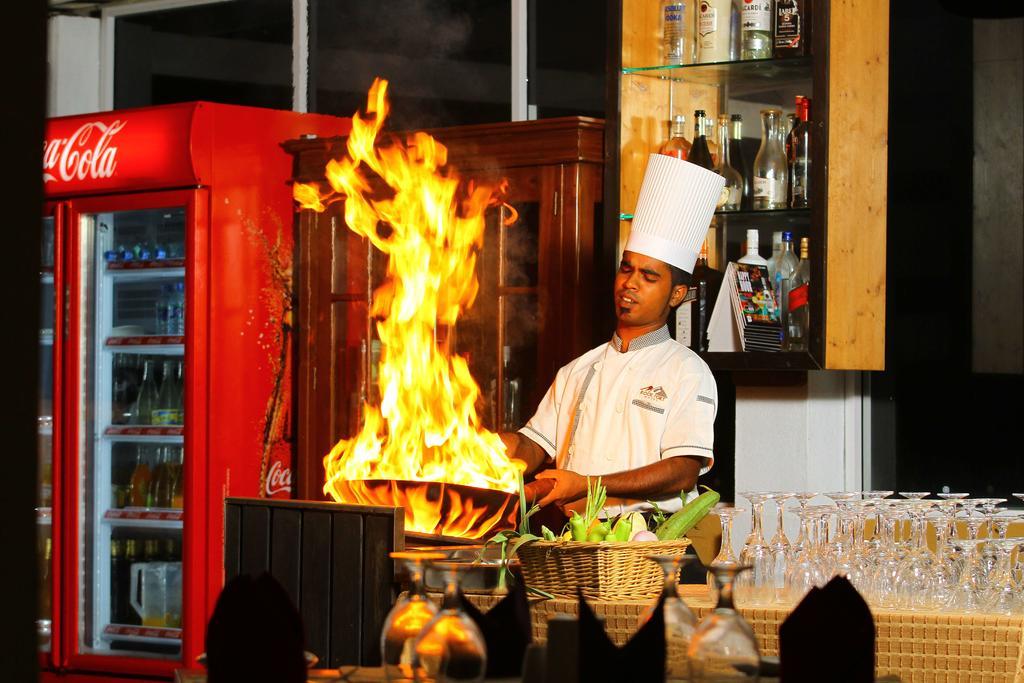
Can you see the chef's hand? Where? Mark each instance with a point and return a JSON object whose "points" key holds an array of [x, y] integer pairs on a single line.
{"points": [[569, 486]]}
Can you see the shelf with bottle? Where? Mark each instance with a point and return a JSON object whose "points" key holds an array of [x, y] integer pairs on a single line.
{"points": [[144, 517], [776, 216], [738, 75], [44, 515], [173, 434], [142, 635], [46, 276], [156, 344], [131, 271]]}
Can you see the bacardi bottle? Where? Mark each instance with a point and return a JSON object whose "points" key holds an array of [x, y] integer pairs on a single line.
{"points": [[757, 29], [800, 156], [770, 168], [792, 28], [799, 316], [714, 39], [677, 145]]}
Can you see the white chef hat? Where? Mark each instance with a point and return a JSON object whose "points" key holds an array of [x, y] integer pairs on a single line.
{"points": [[673, 212]]}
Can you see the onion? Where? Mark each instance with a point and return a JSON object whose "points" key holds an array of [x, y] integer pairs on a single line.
{"points": [[643, 535]]}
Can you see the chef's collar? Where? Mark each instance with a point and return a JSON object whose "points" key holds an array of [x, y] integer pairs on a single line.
{"points": [[643, 341]]}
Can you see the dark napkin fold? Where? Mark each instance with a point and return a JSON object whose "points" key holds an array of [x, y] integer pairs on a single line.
{"points": [[507, 630], [641, 660], [830, 636], [254, 634]]}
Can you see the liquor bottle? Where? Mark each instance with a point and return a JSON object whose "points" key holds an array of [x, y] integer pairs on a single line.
{"points": [[700, 154], [138, 488], [773, 260], [782, 278], [792, 28], [708, 282], [799, 317], [791, 121], [732, 192], [770, 168], [752, 256], [757, 29], [739, 160], [145, 403], [714, 40], [675, 48], [46, 580], [800, 156], [677, 145]]}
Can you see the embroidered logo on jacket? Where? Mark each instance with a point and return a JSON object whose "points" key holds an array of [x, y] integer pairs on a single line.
{"points": [[652, 393]]}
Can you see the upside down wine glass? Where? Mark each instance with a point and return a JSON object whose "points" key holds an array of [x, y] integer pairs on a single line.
{"points": [[723, 647], [726, 554], [450, 647], [752, 586], [680, 621], [407, 618]]}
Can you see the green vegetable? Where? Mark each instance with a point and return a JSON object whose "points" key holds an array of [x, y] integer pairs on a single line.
{"points": [[682, 521], [577, 528], [622, 530], [599, 532], [658, 516], [547, 533]]}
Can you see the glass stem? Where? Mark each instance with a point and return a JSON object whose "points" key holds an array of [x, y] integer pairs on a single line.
{"points": [[727, 536], [758, 511], [724, 593], [451, 592]]}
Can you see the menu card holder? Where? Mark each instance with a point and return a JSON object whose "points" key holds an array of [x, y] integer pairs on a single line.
{"points": [[641, 660], [507, 631]]}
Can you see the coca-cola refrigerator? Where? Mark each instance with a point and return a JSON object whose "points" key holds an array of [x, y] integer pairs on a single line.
{"points": [[166, 372]]}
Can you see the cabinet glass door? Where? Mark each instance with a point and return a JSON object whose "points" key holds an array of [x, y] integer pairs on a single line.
{"points": [[131, 431], [45, 490]]}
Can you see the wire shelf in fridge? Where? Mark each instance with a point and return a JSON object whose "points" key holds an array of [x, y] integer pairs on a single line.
{"points": [[145, 433], [157, 344], [152, 518]]}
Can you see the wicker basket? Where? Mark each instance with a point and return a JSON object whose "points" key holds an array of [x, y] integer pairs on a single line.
{"points": [[602, 571]]}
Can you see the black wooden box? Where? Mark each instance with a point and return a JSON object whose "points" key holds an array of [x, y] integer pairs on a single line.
{"points": [[333, 561]]}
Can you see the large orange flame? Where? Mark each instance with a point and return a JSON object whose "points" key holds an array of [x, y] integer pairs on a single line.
{"points": [[426, 428]]}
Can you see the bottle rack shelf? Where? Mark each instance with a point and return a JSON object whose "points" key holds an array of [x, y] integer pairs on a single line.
{"points": [[150, 518], [153, 635], [156, 344], [155, 433]]}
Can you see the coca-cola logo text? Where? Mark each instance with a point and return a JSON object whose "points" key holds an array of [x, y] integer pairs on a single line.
{"points": [[86, 153], [279, 479]]}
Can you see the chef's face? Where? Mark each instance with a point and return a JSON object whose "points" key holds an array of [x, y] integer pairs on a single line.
{"points": [[643, 291]]}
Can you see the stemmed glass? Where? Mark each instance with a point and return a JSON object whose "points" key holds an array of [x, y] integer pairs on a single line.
{"points": [[680, 621], [450, 647], [780, 546], [803, 572], [988, 509], [723, 647], [407, 618], [726, 554], [917, 570], [1004, 595], [756, 554], [968, 597]]}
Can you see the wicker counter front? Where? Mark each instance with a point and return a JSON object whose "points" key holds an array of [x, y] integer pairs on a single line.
{"points": [[920, 647]]}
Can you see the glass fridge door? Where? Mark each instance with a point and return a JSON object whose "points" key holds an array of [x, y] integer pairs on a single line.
{"points": [[131, 431], [44, 509]]}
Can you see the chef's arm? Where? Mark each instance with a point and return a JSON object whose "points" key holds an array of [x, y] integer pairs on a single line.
{"points": [[525, 449], [662, 479]]}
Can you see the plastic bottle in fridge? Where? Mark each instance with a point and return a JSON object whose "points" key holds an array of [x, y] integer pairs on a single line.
{"points": [[163, 310], [176, 317], [145, 404]]}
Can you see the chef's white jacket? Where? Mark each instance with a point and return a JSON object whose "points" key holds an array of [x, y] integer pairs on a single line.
{"points": [[610, 411]]}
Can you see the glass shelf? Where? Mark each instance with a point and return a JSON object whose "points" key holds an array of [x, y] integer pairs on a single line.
{"points": [[774, 215], [153, 635], [737, 75], [151, 518]]}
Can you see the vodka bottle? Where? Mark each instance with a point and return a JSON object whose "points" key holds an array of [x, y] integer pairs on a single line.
{"points": [[782, 278], [770, 169], [739, 160], [752, 257], [714, 39], [700, 153], [800, 156], [677, 145], [732, 192], [757, 29], [798, 321], [675, 48]]}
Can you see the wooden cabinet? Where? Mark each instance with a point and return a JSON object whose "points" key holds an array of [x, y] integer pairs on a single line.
{"points": [[847, 78], [536, 308]]}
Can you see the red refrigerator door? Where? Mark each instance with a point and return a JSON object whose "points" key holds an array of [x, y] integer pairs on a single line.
{"points": [[48, 510], [134, 460]]}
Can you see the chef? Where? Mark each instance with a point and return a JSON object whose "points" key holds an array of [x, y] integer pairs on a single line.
{"points": [[638, 410]]}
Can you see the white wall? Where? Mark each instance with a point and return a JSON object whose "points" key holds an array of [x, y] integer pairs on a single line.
{"points": [[73, 62], [803, 438]]}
